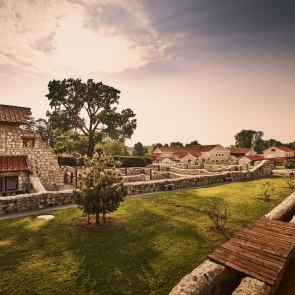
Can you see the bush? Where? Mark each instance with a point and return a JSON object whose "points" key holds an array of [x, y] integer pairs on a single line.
{"points": [[290, 180], [290, 164], [70, 161], [217, 210], [134, 162], [268, 190], [148, 160]]}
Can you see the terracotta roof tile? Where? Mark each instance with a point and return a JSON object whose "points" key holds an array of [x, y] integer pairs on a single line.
{"points": [[13, 163], [283, 148], [193, 150], [240, 150], [14, 115]]}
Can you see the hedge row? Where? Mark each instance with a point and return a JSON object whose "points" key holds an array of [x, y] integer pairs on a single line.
{"points": [[290, 164]]}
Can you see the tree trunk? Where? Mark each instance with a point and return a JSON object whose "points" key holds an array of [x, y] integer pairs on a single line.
{"points": [[88, 218], [104, 217], [97, 218], [91, 144]]}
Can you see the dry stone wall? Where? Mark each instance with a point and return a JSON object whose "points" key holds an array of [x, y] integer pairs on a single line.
{"points": [[41, 158], [34, 201], [263, 169]]}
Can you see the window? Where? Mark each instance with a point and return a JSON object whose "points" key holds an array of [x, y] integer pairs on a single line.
{"points": [[28, 142], [8, 184], [273, 150], [11, 183]]}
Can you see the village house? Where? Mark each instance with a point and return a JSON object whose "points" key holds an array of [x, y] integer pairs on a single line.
{"points": [[278, 152], [23, 153], [211, 154], [242, 152]]}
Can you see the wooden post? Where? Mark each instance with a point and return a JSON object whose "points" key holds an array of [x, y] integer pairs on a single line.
{"points": [[151, 174], [126, 171], [76, 172]]}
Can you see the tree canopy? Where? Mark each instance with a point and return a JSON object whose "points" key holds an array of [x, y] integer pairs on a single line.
{"points": [[139, 150], [192, 143], [248, 138], [89, 108]]}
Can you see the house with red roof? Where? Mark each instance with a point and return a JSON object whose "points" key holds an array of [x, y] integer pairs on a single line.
{"points": [[23, 153], [242, 152], [279, 151], [211, 154]]}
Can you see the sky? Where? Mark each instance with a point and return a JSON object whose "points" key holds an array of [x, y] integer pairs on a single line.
{"points": [[190, 70]]}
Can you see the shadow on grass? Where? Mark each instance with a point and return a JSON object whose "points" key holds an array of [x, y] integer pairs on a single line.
{"points": [[57, 257]]}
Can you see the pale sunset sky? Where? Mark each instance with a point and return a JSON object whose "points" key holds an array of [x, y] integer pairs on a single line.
{"points": [[189, 69]]}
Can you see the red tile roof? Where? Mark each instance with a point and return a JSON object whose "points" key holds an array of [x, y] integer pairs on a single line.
{"points": [[14, 115], [240, 150], [255, 158], [13, 163], [193, 150], [283, 148]]}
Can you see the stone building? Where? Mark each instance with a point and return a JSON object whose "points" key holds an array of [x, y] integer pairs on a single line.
{"points": [[22, 152], [210, 154]]}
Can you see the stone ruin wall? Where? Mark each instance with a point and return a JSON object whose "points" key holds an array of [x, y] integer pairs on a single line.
{"points": [[35, 201], [261, 170], [41, 158]]}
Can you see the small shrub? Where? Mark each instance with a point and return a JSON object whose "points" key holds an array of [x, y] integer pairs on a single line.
{"points": [[268, 190], [290, 164], [290, 180], [217, 210]]}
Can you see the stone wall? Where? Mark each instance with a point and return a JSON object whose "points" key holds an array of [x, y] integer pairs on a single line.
{"points": [[263, 169], [34, 201], [203, 280], [189, 171], [41, 158], [133, 178]]}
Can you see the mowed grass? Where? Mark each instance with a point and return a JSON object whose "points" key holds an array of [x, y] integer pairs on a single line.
{"points": [[148, 245]]}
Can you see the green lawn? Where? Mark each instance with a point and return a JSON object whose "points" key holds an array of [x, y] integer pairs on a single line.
{"points": [[149, 244]]}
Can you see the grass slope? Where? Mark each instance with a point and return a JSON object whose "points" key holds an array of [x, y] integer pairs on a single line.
{"points": [[149, 245]]}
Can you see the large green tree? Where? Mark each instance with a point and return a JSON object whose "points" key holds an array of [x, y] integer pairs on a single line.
{"points": [[248, 138], [193, 143], [71, 142], [115, 148], [139, 149], [89, 108], [101, 188]]}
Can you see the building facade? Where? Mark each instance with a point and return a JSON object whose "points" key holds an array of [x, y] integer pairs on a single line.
{"points": [[18, 145]]}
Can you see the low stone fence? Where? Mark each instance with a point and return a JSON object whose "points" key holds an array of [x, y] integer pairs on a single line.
{"points": [[35, 201], [133, 178], [189, 171], [261, 170]]}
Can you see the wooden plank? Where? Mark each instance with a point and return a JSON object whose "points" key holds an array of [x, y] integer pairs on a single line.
{"points": [[246, 270], [264, 244], [254, 256], [275, 237], [265, 237], [276, 230], [256, 267], [263, 251], [260, 250], [284, 231], [277, 223]]}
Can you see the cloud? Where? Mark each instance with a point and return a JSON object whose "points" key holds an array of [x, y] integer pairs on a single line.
{"points": [[68, 37]]}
